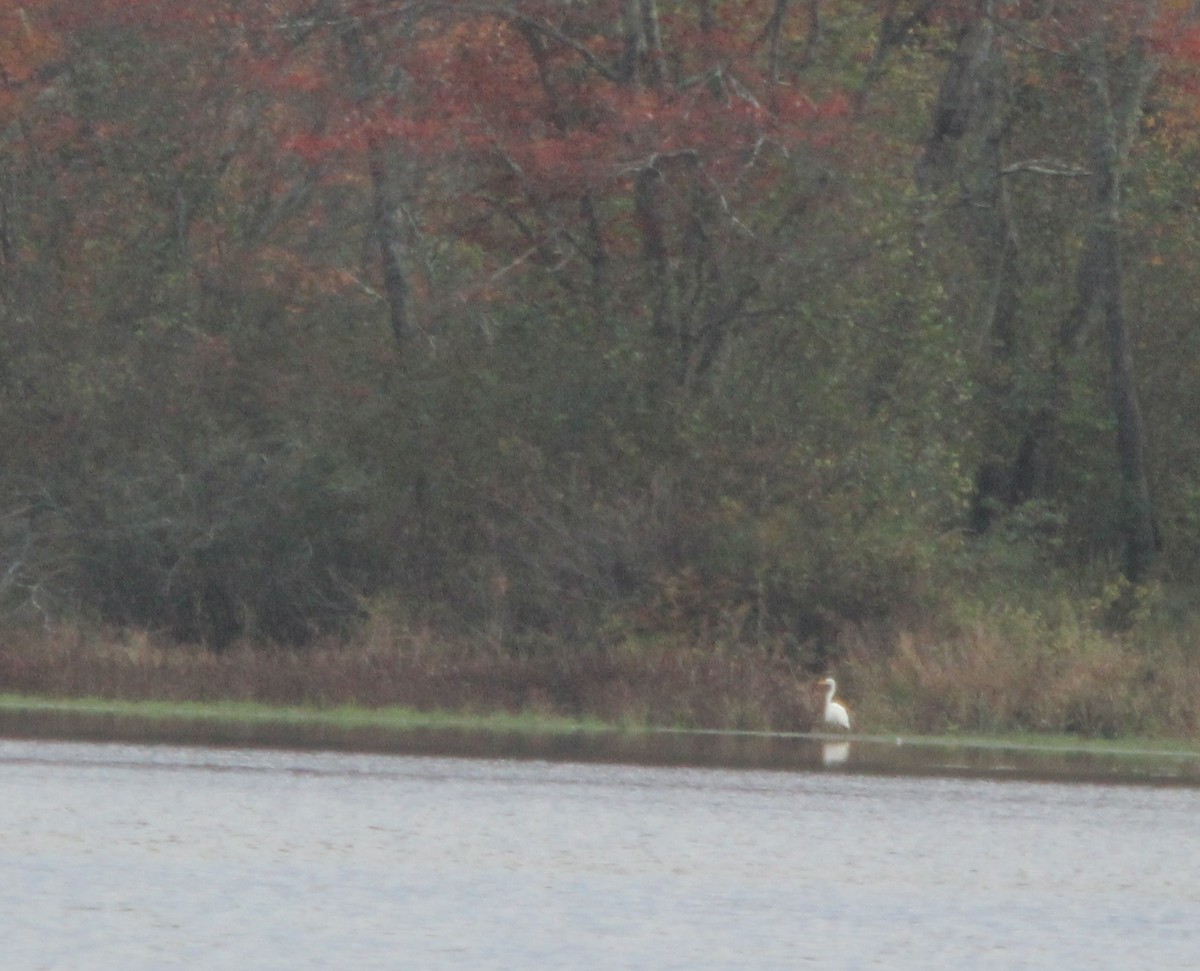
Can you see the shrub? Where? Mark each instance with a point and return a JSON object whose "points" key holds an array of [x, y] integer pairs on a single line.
{"points": [[266, 544]]}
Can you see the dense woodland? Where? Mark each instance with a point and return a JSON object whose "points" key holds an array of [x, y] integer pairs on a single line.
{"points": [[554, 323]]}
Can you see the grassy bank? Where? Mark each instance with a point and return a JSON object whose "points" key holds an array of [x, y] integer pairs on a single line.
{"points": [[406, 731], [991, 672], [248, 712], [402, 719], [386, 669]]}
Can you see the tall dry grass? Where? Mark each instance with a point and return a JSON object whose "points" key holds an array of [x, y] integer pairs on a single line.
{"points": [[987, 671], [650, 685], [1016, 671]]}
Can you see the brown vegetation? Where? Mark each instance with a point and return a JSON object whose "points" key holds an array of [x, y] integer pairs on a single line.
{"points": [[673, 686], [1012, 672], [981, 683]]}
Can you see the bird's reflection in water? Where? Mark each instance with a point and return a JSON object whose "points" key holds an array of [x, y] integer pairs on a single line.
{"points": [[835, 753]]}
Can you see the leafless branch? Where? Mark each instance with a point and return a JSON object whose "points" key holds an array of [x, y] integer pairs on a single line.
{"points": [[1044, 166]]}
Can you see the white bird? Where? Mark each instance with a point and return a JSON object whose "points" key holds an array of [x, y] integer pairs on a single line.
{"points": [[835, 712]]}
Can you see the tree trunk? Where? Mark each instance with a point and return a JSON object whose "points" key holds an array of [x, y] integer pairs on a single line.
{"points": [[1117, 103], [642, 60], [964, 154], [648, 208], [385, 226]]}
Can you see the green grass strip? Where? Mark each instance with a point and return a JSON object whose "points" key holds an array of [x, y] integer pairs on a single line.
{"points": [[397, 718], [532, 723]]}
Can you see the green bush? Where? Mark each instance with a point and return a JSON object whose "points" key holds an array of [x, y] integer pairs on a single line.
{"points": [[263, 544]]}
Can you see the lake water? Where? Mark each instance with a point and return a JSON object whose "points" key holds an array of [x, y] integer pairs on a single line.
{"points": [[154, 857]]}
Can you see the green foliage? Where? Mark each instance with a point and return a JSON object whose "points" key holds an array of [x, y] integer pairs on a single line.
{"points": [[267, 545]]}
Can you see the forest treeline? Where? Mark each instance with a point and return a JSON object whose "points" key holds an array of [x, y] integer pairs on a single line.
{"points": [[553, 322]]}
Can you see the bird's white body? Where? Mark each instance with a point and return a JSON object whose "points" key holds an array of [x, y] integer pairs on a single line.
{"points": [[835, 712]]}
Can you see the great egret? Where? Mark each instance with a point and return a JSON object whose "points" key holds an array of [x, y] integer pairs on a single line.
{"points": [[835, 712]]}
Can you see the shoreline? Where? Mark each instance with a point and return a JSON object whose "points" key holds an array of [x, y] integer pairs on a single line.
{"points": [[1070, 700], [405, 731]]}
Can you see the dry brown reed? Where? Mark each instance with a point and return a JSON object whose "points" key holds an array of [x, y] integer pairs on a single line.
{"points": [[1020, 674], [1003, 671], [652, 685]]}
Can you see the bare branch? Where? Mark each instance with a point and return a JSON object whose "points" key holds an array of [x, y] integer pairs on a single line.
{"points": [[1046, 166]]}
